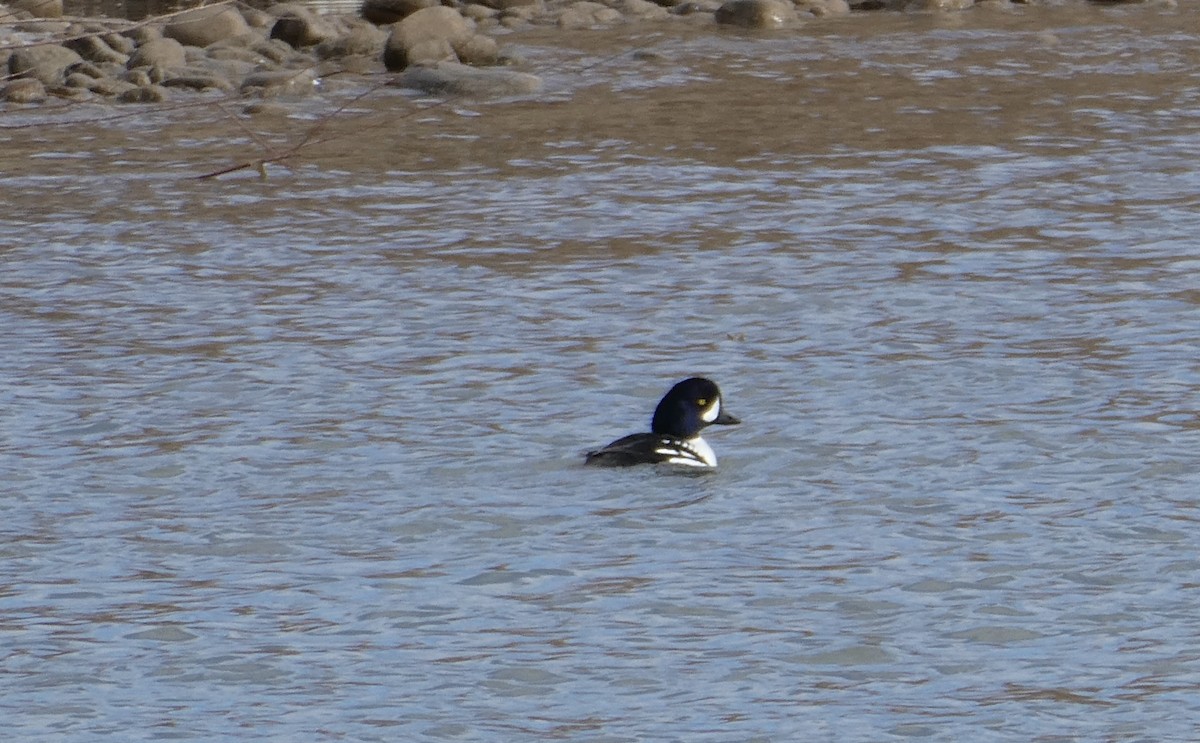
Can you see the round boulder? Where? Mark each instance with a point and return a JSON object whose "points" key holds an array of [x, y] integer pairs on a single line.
{"points": [[299, 26], [96, 49], [204, 26], [821, 8], [165, 53], [24, 90], [586, 14], [452, 78], [759, 14], [477, 49], [384, 12], [39, 8], [280, 83], [508, 4], [363, 40], [428, 35], [45, 62]]}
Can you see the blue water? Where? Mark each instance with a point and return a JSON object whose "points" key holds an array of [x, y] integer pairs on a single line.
{"points": [[299, 459]]}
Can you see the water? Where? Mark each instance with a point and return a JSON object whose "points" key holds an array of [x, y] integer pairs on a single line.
{"points": [[298, 458]]}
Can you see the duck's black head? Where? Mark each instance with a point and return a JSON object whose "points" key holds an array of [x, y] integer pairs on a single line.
{"points": [[690, 406]]}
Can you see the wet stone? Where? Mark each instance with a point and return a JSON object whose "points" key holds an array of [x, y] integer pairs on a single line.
{"points": [[365, 40], [643, 9], [299, 27], [508, 4], [47, 62], [197, 80], [281, 83], [275, 50], [96, 49], [204, 26], [144, 94], [110, 87], [756, 14], [822, 8], [385, 12], [452, 78], [139, 77], [164, 53], [239, 53], [69, 93], [86, 68], [78, 80], [428, 35], [24, 90], [142, 34], [118, 43], [587, 14], [40, 8]]}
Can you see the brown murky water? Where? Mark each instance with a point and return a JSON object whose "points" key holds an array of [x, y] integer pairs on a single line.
{"points": [[299, 455]]}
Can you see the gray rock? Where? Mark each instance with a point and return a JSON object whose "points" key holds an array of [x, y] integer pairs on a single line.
{"points": [[86, 68], [278, 52], [524, 13], [194, 55], [230, 69], [197, 80], [79, 80], [586, 14], [226, 51], [257, 19], [139, 77], [110, 88], [643, 9], [24, 90], [141, 34], [452, 78], [509, 4], [477, 12], [39, 8], [822, 8], [69, 93], [280, 83], [144, 94], [165, 53], [384, 12], [695, 7], [299, 26], [118, 43], [46, 62], [940, 5], [428, 35], [477, 49], [354, 64], [360, 41], [204, 26], [758, 14], [96, 49]]}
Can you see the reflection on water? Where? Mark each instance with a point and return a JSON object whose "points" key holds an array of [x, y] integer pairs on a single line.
{"points": [[301, 456]]}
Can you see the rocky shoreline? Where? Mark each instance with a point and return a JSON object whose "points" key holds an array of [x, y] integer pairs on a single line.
{"points": [[287, 49]]}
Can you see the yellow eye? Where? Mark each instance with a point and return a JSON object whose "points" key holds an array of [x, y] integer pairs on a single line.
{"points": [[702, 402]]}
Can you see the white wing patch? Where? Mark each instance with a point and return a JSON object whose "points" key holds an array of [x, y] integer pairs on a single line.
{"points": [[694, 452], [712, 411]]}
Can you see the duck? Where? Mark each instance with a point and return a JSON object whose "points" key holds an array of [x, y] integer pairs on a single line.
{"points": [[674, 438]]}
